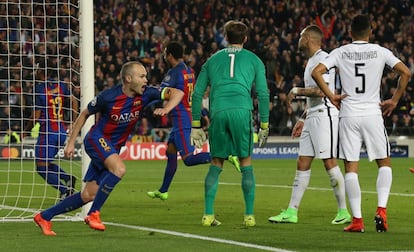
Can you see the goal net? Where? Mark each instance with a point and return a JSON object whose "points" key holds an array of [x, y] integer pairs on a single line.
{"points": [[39, 36]]}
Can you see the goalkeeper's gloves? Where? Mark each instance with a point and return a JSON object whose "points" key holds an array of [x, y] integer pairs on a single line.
{"points": [[35, 130], [263, 134], [197, 136]]}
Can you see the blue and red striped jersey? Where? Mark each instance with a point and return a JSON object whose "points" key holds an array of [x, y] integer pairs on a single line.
{"points": [[181, 77], [50, 98], [118, 113]]}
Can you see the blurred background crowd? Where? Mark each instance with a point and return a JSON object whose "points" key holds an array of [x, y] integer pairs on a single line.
{"points": [[138, 30]]}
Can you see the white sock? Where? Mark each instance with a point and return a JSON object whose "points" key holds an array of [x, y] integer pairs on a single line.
{"points": [[353, 190], [384, 181], [300, 184], [338, 186]]}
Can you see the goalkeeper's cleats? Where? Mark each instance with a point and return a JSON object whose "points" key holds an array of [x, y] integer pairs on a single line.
{"points": [[94, 221], [286, 216], [381, 220], [45, 226], [357, 225], [209, 221], [249, 220], [158, 194], [234, 160], [342, 217]]}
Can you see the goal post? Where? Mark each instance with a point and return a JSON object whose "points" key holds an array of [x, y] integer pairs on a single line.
{"points": [[58, 33], [87, 75]]}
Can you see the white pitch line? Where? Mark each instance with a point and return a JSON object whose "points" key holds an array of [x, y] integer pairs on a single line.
{"points": [[199, 237], [316, 189]]}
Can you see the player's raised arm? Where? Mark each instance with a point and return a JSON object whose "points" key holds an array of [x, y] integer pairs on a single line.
{"points": [[173, 97]]}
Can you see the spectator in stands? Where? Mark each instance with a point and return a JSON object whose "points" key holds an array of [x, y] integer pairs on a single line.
{"points": [[198, 25]]}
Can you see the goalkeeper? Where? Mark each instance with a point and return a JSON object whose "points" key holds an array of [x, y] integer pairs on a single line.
{"points": [[231, 73]]}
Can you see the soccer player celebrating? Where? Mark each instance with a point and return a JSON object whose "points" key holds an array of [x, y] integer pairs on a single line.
{"points": [[318, 131], [182, 77], [119, 109], [360, 65], [231, 73], [48, 120]]}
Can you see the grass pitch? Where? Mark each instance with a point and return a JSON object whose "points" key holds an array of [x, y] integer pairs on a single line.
{"points": [[138, 223]]}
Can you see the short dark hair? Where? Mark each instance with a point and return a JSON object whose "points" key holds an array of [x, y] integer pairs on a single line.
{"points": [[235, 31], [360, 26], [175, 49]]}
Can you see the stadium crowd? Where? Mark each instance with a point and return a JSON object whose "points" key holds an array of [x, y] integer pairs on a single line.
{"points": [[138, 30]]}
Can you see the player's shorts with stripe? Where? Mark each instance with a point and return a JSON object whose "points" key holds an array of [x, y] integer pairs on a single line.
{"points": [[98, 149], [181, 139], [370, 130], [319, 138], [231, 133], [48, 145]]}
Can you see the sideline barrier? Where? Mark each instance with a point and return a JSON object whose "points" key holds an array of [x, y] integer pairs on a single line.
{"points": [[277, 148]]}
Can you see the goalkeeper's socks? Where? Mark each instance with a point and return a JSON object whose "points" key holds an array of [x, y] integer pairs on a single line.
{"points": [[200, 158], [61, 173], [105, 188], [210, 188], [51, 178], [249, 188], [169, 172], [68, 204]]}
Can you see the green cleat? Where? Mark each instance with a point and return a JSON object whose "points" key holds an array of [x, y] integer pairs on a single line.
{"points": [[158, 194], [249, 220], [286, 216], [234, 160], [209, 221], [342, 217]]}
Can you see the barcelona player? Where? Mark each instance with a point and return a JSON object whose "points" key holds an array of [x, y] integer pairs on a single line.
{"points": [[182, 77], [119, 109], [51, 95]]}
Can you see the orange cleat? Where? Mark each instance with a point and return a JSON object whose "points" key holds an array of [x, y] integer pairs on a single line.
{"points": [[45, 226], [94, 221], [412, 170], [381, 220], [357, 225]]}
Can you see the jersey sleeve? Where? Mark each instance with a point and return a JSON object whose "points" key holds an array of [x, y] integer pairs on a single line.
{"points": [[97, 104], [330, 61], [390, 59], [262, 92], [38, 97], [200, 88], [152, 95]]}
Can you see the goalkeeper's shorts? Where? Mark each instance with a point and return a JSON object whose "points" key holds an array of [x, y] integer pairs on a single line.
{"points": [[231, 133]]}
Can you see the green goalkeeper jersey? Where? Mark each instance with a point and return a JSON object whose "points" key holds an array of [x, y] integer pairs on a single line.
{"points": [[231, 74]]}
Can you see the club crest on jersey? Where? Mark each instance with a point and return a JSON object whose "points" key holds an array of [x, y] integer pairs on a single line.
{"points": [[125, 117], [136, 103], [166, 79]]}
